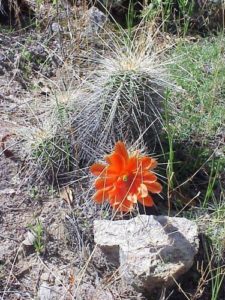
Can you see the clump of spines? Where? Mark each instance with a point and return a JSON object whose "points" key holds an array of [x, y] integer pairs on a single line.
{"points": [[124, 100]]}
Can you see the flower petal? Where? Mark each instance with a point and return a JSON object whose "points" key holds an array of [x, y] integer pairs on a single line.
{"points": [[132, 164], [124, 206], [100, 196], [98, 169], [120, 149], [153, 164], [147, 201], [116, 163], [132, 198], [116, 195], [149, 177], [105, 182], [125, 179], [145, 162], [154, 187], [143, 190]]}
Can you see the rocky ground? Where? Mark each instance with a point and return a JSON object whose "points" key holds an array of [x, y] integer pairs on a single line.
{"points": [[31, 62], [21, 270], [36, 64]]}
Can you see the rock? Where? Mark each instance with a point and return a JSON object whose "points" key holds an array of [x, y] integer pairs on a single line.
{"points": [[150, 251], [29, 239], [37, 52], [95, 20], [45, 276], [3, 251], [55, 27], [7, 191], [99, 294], [89, 292], [7, 249], [49, 292], [45, 292]]}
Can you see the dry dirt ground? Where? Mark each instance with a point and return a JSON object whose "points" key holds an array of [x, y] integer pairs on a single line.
{"points": [[63, 268], [22, 271], [33, 66]]}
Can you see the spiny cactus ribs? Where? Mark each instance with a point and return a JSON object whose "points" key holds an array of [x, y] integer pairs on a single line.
{"points": [[128, 113]]}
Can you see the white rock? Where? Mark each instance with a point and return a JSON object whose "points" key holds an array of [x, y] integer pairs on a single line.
{"points": [[151, 251], [55, 27], [29, 239], [45, 292], [45, 276], [10, 192], [49, 292]]}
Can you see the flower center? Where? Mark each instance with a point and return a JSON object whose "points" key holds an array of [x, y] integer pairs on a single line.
{"points": [[125, 178]]}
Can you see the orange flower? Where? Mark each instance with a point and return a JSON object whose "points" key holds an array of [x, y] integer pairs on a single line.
{"points": [[125, 180]]}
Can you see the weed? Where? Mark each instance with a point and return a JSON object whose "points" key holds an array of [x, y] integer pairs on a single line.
{"points": [[173, 14], [34, 191], [211, 223], [183, 16], [215, 229], [38, 232], [202, 109], [130, 21], [198, 124], [212, 181], [170, 164], [185, 12], [216, 270], [25, 63], [217, 280]]}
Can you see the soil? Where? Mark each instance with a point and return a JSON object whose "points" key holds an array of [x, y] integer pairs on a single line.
{"points": [[21, 269], [32, 61], [30, 64]]}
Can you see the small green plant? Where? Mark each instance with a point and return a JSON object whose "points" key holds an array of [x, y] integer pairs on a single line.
{"points": [[39, 3], [185, 12], [55, 2], [217, 281], [33, 192], [25, 62], [213, 180], [211, 223], [199, 69], [215, 229], [38, 232], [216, 270], [172, 14], [170, 165], [130, 17], [158, 8]]}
